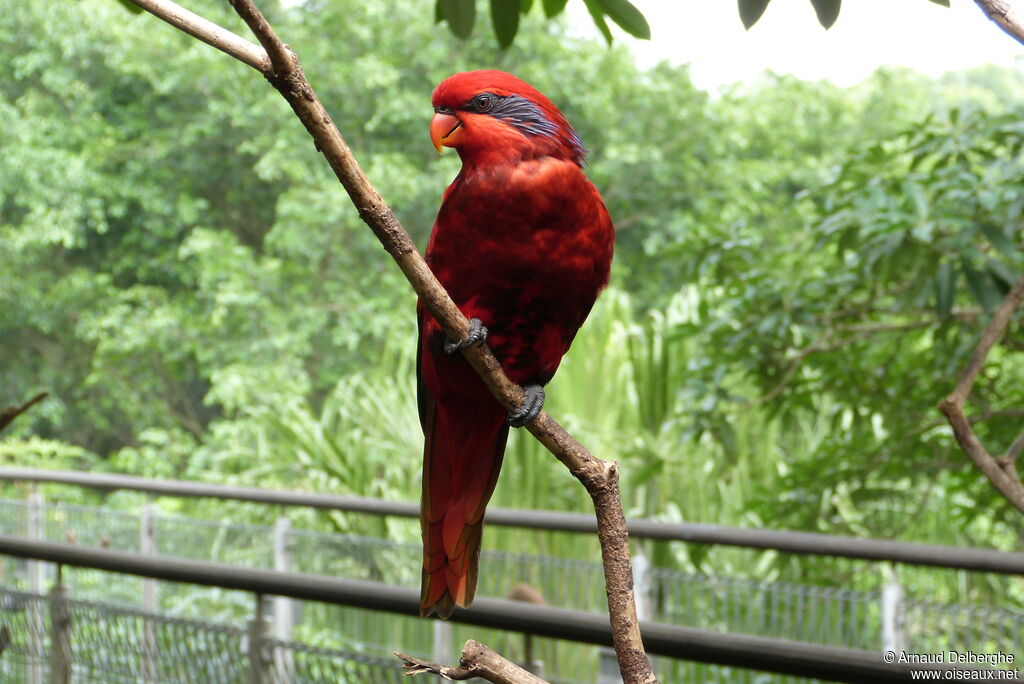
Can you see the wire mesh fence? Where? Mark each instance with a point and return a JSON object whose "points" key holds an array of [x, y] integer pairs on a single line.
{"points": [[814, 614], [175, 615], [801, 612], [112, 644], [300, 664], [25, 616], [934, 627]]}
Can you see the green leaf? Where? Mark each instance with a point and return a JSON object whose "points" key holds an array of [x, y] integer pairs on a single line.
{"points": [[627, 17], [460, 15], [982, 287], [1004, 275], [650, 468], [944, 3], [597, 14], [131, 6], [847, 240], [505, 18], [525, 6], [554, 7], [1000, 241], [751, 11], [827, 11], [945, 289]]}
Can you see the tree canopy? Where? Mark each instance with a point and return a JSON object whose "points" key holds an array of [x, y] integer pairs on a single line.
{"points": [[800, 272]]}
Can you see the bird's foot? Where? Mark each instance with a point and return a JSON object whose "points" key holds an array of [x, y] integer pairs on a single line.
{"points": [[533, 402], [477, 335]]}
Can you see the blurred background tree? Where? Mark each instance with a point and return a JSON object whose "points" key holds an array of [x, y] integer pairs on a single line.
{"points": [[801, 270]]}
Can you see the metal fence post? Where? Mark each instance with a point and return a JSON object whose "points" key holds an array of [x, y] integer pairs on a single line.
{"points": [[37, 626], [442, 651], [60, 633], [893, 635], [284, 611], [642, 585], [257, 648], [147, 546]]}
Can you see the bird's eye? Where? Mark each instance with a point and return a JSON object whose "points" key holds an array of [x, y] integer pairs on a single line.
{"points": [[483, 102]]}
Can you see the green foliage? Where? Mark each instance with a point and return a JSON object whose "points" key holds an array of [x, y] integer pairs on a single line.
{"points": [[751, 11], [34, 452], [827, 11], [801, 271], [460, 15], [628, 17], [505, 19], [866, 317]]}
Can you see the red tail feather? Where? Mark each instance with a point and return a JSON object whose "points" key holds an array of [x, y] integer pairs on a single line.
{"points": [[461, 461]]}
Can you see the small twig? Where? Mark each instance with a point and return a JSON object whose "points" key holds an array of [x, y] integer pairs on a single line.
{"points": [[202, 29], [1002, 13], [476, 661], [8, 414], [1008, 461], [1016, 448], [818, 345], [1002, 473], [5, 638], [600, 478], [991, 335]]}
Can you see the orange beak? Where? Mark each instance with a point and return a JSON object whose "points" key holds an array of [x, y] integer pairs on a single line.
{"points": [[445, 131]]}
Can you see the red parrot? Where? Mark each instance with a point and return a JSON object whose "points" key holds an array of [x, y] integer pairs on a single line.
{"points": [[523, 244]]}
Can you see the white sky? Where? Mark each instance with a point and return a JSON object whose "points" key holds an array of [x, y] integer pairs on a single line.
{"points": [[919, 34]]}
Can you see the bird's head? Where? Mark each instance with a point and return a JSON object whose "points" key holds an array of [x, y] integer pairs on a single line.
{"points": [[491, 116]]}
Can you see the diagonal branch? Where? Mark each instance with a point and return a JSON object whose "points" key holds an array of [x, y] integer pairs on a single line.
{"points": [[1002, 473], [600, 478], [205, 30], [282, 59], [9, 413], [1001, 12], [476, 661]]}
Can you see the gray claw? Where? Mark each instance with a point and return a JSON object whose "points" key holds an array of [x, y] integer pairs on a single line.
{"points": [[477, 335], [533, 402]]}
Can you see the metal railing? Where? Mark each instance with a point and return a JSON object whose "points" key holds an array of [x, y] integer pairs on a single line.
{"points": [[800, 612], [759, 653], [982, 560]]}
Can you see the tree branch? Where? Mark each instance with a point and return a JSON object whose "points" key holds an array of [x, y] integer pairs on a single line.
{"points": [[1002, 473], [600, 478], [8, 414], [1002, 13], [1016, 448], [476, 661], [282, 59], [202, 29]]}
